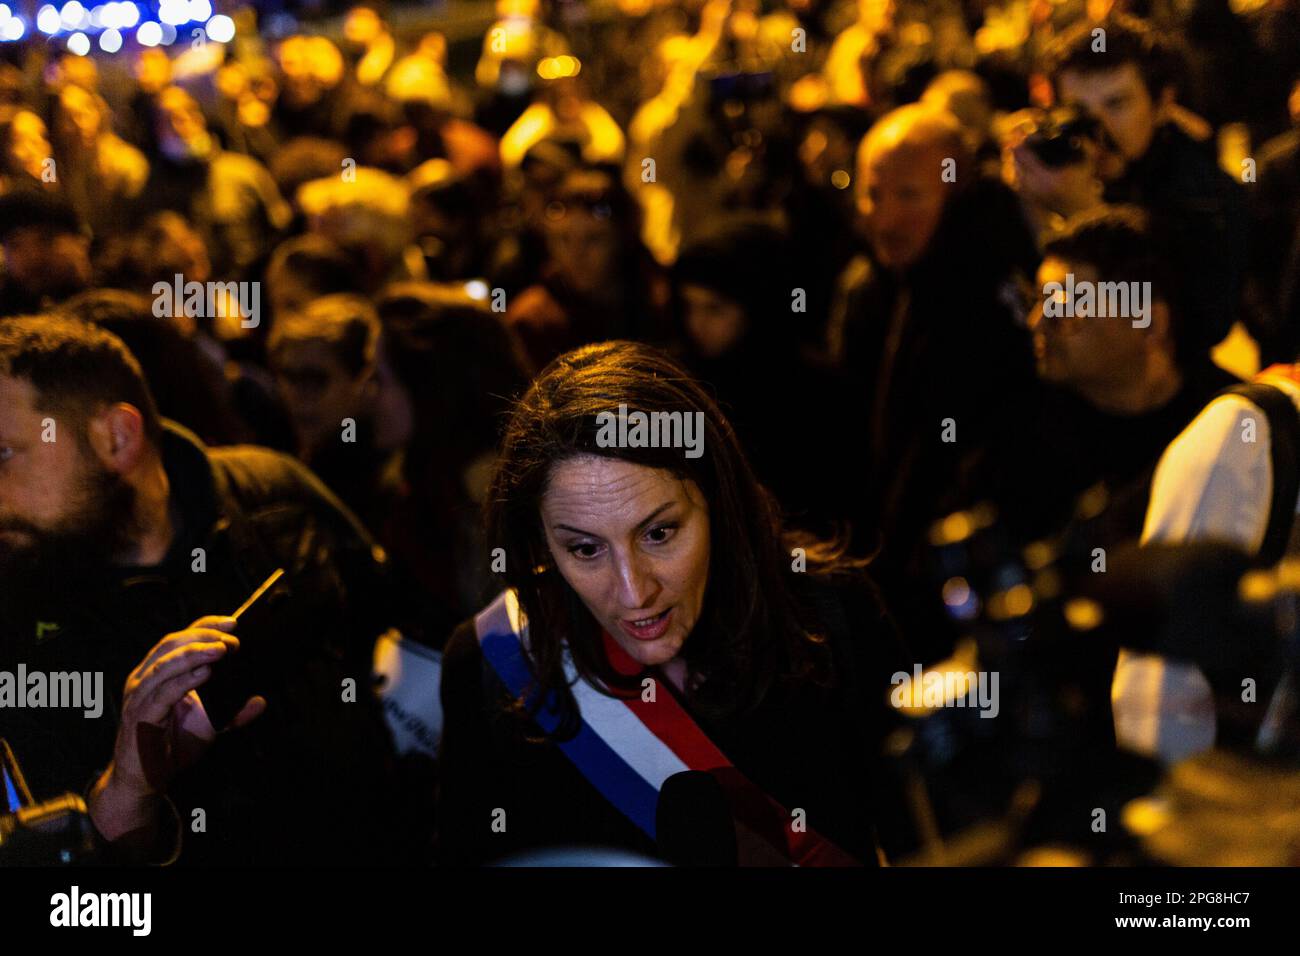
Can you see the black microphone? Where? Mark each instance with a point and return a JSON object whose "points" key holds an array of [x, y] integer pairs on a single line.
{"points": [[55, 832], [693, 822]]}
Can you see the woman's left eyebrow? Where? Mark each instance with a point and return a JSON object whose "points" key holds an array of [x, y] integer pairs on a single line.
{"points": [[654, 514]]}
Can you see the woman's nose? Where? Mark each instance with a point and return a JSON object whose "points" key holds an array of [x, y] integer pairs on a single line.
{"points": [[636, 584]]}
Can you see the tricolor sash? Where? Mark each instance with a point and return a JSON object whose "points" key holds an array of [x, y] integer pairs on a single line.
{"points": [[628, 747]]}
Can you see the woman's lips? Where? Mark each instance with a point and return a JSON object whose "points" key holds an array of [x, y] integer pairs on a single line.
{"points": [[653, 630]]}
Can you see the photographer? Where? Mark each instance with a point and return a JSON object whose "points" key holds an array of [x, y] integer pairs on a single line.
{"points": [[117, 527], [1125, 77]]}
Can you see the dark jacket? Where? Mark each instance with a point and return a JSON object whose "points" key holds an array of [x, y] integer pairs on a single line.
{"points": [[1200, 221], [937, 359], [310, 781], [808, 747]]}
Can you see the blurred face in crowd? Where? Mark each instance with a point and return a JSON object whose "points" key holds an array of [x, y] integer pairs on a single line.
{"points": [[584, 249], [60, 506], [178, 245], [319, 391], [47, 263], [1088, 353], [29, 147], [311, 66], [182, 131], [1121, 100], [901, 200], [80, 118], [79, 71], [633, 543], [153, 70], [714, 322]]}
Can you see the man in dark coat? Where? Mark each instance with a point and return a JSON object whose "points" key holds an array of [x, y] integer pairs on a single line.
{"points": [[927, 328], [124, 542]]}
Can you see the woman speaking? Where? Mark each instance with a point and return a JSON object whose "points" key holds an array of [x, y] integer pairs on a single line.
{"points": [[666, 673]]}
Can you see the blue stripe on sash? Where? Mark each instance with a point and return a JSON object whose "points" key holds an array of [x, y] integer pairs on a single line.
{"points": [[609, 773]]}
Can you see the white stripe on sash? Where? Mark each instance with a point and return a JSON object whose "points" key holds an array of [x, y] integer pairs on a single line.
{"points": [[614, 722], [611, 719]]}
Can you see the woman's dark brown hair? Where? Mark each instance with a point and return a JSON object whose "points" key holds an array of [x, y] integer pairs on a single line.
{"points": [[750, 634]]}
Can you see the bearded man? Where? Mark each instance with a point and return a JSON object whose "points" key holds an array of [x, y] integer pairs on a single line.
{"points": [[124, 546]]}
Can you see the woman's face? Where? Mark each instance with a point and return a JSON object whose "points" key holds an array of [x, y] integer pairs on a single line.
{"points": [[633, 542]]}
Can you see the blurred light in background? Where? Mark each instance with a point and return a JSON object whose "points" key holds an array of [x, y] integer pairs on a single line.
{"points": [[149, 34], [221, 28]]}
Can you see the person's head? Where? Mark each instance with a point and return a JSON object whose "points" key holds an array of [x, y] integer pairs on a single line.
{"points": [[901, 187], [77, 70], [324, 359], [966, 96], [732, 287], [78, 429], [187, 386], [1123, 76], [163, 246], [181, 128], [24, 145], [304, 158], [543, 167], [588, 223], [459, 367], [1103, 356], [366, 216], [46, 248], [363, 26], [439, 196], [153, 69], [80, 117], [672, 556], [305, 268], [311, 67]]}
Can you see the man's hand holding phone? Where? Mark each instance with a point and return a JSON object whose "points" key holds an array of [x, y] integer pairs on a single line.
{"points": [[164, 727]]}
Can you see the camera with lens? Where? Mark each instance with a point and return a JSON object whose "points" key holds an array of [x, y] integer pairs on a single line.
{"points": [[1060, 136]]}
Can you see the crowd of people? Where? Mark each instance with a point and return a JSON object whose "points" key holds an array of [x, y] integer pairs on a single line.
{"points": [[334, 301]]}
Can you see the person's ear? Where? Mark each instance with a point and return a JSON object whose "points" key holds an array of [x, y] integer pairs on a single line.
{"points": [[117, 437]]}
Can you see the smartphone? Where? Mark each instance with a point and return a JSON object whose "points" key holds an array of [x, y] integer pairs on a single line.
{"points": [[246, 672]]}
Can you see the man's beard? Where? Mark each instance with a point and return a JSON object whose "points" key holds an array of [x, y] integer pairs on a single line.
{"points": [[47, 574]]}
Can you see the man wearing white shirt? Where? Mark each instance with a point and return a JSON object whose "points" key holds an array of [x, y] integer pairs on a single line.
{"points": [[1213, 483]]}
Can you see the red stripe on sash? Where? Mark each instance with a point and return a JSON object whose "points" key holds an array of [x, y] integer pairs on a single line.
{"points": [[754, 809]]}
